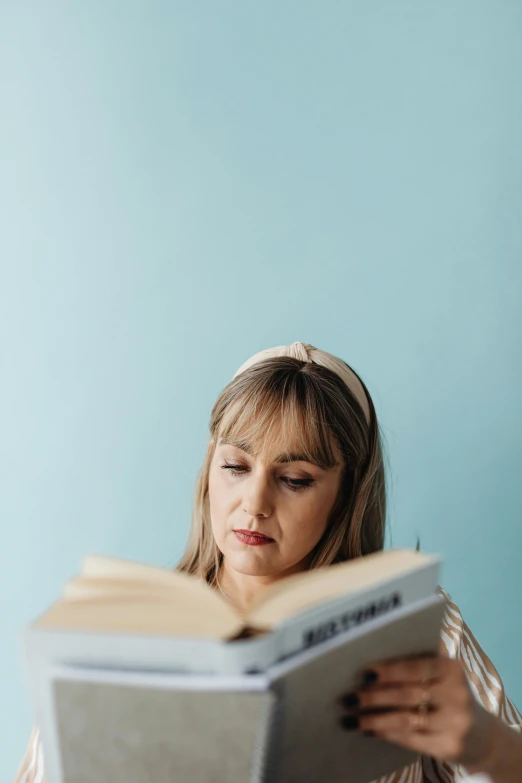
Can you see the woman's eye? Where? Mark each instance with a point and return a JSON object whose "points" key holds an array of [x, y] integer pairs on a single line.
{"points": [[294, 484]]}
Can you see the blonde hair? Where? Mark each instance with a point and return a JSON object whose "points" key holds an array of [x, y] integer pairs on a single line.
{"points": [[302, 396]]}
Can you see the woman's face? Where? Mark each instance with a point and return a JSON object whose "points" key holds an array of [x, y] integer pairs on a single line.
{"points": [[287, 502]]}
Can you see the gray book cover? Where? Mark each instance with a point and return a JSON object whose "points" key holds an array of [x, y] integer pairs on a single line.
{"points": [[311, 745], [127, 734]]}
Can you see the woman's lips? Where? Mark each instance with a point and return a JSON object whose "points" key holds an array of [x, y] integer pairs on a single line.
{"points": [[253, 539]]}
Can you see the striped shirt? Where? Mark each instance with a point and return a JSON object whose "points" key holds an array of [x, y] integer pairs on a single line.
{"points": [[459, 642]]}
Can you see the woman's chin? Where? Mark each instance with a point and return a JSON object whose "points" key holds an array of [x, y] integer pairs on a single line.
{"points": [[253, 563]]}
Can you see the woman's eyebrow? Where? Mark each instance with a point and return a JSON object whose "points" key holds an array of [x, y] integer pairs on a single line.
{"points": [[281, 458]]}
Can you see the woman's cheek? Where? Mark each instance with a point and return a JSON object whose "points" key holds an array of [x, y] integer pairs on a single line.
{"points": [[303, 534], [217, 515]]}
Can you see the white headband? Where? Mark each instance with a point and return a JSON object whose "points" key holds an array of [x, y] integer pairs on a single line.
{"points": [[307, 353]]}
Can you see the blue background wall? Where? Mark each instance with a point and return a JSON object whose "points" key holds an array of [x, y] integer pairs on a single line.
{"points": [[184, 184]]}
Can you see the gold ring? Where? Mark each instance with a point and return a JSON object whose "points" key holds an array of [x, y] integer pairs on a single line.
{"points": [[426, 701], [417, 720]]}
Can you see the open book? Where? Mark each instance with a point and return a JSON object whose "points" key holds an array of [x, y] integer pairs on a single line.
{"points": [[120, 597], [137, 667]]}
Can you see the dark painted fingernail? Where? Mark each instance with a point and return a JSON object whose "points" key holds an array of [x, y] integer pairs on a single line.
{"points": [[369, 676], [349, 722], [350, 700]]}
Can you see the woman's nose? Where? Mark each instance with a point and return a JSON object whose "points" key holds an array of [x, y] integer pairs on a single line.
{"points": [[257, 499]]}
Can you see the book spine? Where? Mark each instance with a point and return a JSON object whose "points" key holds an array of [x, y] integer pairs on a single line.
{"points": [[267, 750]]}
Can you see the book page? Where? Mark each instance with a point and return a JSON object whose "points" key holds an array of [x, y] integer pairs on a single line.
{"points": [[123, 596], [175, 614], [299, 592]]}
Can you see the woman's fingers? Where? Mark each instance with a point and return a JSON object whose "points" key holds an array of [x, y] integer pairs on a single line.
{"points": [[422, 703], [407, 670], [450, 691], [409, 722], [406, 695]]}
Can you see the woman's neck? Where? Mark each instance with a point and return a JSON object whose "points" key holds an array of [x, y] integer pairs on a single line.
{"points": [[241, 589]]}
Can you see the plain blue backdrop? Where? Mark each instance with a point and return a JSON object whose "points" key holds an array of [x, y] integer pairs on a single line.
{"points": [[186, 183]]}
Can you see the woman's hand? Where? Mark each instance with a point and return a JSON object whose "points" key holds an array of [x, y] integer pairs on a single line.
{"points": [[430, 709]]}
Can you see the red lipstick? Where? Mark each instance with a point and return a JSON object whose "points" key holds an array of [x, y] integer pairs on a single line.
{"points": [[251, 538]]}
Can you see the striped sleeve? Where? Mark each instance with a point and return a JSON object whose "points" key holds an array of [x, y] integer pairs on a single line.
{"points": [[484, 680], [31, 770]]}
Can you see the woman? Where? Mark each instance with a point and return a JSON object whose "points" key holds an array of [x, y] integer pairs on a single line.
{"points": [[294, 479]]}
